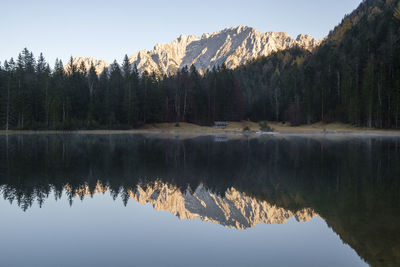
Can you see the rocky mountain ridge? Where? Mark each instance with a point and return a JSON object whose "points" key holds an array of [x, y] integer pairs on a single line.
{"points": [[232, 46]]}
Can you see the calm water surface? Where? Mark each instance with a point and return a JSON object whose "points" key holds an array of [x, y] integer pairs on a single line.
{"points": [[132, 200]]}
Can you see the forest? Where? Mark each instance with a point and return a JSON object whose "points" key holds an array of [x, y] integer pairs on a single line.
{"points": [[353, 77]]}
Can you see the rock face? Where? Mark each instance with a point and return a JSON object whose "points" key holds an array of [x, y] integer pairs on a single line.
{"points": [[234, 210], [233, 46]]}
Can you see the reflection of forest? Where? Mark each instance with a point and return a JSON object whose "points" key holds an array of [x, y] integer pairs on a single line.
{"points": [[352, 183]]}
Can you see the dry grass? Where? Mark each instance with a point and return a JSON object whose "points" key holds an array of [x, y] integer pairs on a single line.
{"points": [[321, 127], [233, 128], [190, 129]]}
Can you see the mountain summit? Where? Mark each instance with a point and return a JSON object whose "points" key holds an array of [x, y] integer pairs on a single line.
{"points": [[232, 46]]}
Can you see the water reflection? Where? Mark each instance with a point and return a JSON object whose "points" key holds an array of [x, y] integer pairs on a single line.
{"points": [[234, 209], [353, 184]]}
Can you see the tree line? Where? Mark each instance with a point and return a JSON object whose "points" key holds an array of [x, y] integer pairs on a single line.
{"points": [[353, 77], [72, 97]]}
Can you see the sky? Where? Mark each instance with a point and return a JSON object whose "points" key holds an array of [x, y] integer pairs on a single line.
{"points": [[110, 29]]}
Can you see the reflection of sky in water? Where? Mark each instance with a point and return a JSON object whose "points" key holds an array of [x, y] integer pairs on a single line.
{"points": [[351, 183], [101, 232]]}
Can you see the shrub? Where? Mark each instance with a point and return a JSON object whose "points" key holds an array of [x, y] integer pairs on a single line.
{"points": [[265, 127]]}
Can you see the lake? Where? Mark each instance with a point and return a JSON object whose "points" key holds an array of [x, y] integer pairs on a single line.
{"points": [[136, 200]]}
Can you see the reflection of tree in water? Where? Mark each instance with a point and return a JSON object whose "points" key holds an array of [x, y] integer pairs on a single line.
{"points": [[353, 184]]}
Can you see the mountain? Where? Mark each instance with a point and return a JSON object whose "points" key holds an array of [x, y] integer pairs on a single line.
{"points": [[233, 210], [233, 46], [352, 77]]}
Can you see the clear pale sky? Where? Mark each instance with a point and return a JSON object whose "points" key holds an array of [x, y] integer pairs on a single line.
{"points": [[110, 29]]}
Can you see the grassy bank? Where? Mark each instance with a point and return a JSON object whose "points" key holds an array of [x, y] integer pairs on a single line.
{"points": [[233, 128]]}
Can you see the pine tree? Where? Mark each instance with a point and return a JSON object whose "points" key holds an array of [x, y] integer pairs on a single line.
{"points": [[93, 83], [115, 95], [130, 85]]}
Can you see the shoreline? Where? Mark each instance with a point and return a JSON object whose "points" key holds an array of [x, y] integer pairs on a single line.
{"points": [[233, 129]]}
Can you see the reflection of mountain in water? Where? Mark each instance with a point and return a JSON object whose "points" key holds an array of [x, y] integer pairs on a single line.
{"points": [[234, 209], [352, 183]]}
